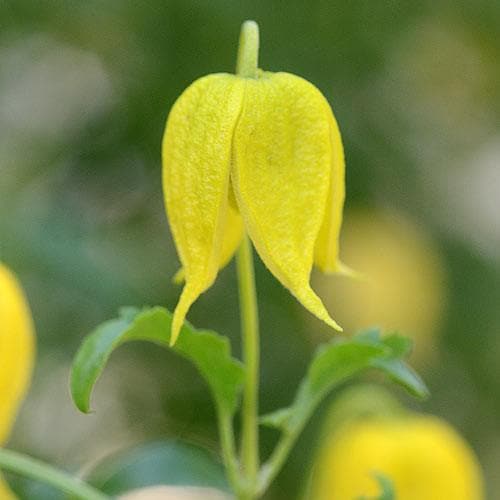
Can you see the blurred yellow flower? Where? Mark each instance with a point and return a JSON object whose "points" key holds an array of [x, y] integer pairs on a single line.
{"points": [[423, 456], [262, 155], [403, 286], [17, 348]]}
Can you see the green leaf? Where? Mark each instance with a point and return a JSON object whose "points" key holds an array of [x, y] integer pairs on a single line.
{"points": [[209, 351], [340, 360], [402, 374], [401, 347], [387, 489], [166, 462]]}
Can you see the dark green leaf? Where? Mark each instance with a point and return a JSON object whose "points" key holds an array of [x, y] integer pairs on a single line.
{"points": [[209, 351], [340, 360], [158, 463]]}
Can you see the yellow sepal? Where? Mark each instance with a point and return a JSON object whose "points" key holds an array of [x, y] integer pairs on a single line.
{"points": [[281, 177], [196, 169], [233, 232], [326, 252]]}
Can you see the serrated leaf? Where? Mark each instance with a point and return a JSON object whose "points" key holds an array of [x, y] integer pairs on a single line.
{"points": [[340, 360], [209, 351]]}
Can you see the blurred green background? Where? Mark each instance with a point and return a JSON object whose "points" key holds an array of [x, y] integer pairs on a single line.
{"points": [[85, 88]]}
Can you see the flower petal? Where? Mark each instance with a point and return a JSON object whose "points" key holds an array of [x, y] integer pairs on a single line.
{"points": [[196, 166], [17, 349], [232, 234], [281, 177], [326, 252]]}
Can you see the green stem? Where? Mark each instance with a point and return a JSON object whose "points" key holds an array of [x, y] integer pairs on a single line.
{"points": [[248, 50], [278, 458], [250, 333], [247, 67], [226, 432], [34, 469], [288, 438]]}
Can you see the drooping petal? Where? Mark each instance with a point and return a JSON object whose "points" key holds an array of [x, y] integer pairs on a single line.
{"points": [[16, 349], [281, 174], [196, 170], [232, 234], [326, 252]]}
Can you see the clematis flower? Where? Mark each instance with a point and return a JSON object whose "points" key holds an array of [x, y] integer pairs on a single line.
{"points": [[423, 456], [262, 155], [16, 356]]}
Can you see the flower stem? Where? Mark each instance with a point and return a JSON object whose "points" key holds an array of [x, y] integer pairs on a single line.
{"points": [[247, 66], [226, 432], [250, 333], [278, 458], [248, 50], [34, 469]]}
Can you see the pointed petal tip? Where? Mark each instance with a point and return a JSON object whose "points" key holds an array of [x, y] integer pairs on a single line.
{"points": [[175, 329], [345, 270], [173, 338], [331, 322], [189, 294], [324, 316], [342, 269], [179, 277], [308, 298]]}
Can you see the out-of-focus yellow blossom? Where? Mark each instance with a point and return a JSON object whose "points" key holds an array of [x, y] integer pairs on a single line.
{"points": [[17, 348], [5, 491], [261, 154], [403, 285], [423, 456]]}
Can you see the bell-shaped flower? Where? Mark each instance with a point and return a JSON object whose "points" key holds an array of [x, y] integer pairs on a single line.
{"points": [[17, 348], [262, 155]]}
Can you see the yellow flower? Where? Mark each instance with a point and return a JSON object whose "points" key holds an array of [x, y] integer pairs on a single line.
{"points": [[423, 456], [16, 355], [398, 259], [262, 155]]}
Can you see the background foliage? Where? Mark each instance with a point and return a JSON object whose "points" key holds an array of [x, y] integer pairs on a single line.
{"points": [[85, 88]]}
